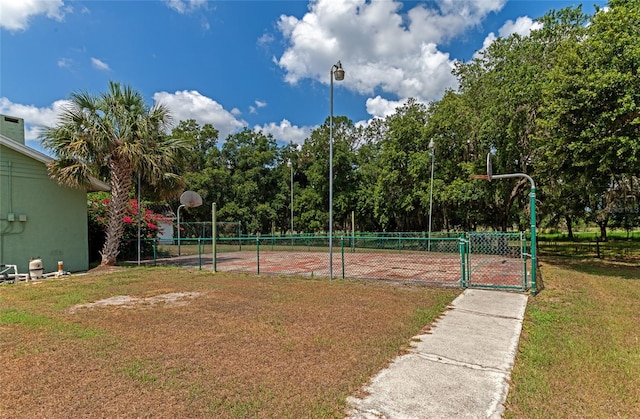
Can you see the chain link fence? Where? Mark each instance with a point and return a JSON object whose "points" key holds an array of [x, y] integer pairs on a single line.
{"points": [[498, 260], [202, 229], [480, 260]]}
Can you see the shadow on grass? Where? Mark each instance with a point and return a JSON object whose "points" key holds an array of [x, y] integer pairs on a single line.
{"points": [[605, 268]]}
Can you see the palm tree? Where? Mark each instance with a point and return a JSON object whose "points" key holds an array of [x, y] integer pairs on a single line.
{"points": [[111, 136]]}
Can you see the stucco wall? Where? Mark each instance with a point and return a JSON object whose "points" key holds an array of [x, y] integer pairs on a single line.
{"points": [[56, 217]]}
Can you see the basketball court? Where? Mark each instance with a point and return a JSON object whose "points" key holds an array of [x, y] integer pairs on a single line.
{"points": [[411, 267]]}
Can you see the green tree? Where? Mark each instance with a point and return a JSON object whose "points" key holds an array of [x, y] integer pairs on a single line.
{"points": [[202, 167], [496, 110], [288, 165], [111, 136], [204, 152], [256, 194], [591, 117], [454, 123], [367, 155], [314, 161], [404, 167]]}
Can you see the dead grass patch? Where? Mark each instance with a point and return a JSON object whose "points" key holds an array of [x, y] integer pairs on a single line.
{"points": [[240, 346]]}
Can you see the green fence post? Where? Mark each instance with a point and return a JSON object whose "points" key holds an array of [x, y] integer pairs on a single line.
{"points": [[534, 259], [523, 251], [468, 260], [342, 251], [199, 256], [463, 270]]}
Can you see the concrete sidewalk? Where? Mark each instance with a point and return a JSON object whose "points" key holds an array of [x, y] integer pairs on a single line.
{"points": [[459, 369]]}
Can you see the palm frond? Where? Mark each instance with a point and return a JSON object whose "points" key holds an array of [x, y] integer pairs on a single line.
{"points": [[112, 136], [69, 172]]}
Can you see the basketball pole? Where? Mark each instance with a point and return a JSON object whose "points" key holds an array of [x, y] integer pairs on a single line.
{"points": [[532, 204]]}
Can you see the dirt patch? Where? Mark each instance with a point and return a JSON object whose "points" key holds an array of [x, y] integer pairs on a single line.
{"points": [[105, 269], [126, 301]]}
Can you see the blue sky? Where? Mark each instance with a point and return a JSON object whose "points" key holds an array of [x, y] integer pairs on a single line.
{"points": [[258, 64]]}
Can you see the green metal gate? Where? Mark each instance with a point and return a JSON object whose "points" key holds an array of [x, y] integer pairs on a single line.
{"points": [[497, 260]]}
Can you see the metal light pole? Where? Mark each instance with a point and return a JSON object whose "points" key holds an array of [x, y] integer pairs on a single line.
{"points": [[338, 72], [290, 164], [432, 148]]}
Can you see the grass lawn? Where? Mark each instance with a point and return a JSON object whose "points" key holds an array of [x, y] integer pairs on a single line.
{"points": [[579, 353], [193, 344], [180, 343]]}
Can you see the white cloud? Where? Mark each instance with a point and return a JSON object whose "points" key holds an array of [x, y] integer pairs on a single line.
{"points": [[379, 107], [15, 14], [286, 132], [381, 47], [259, 104], [190, 104], [522, 26], [99, 64], [205, 25], [34, 118], [64, 62], [265, 39], [186, 6], [182, 104], [189, 6], [490, 39]]}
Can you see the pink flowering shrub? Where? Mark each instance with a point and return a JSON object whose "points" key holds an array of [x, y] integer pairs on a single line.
{"points": [[97, 210]]}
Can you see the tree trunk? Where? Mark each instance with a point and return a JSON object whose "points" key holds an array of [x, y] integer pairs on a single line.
{"points": [[445, 217], [569, 226], [603, 230], [120, 185], [514, 192], [505, 219]]}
